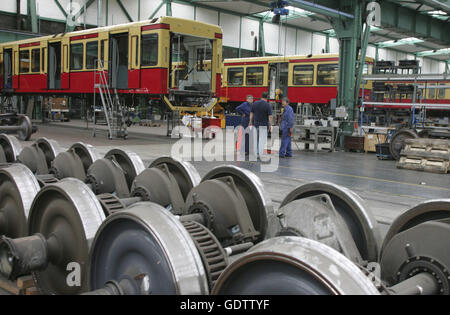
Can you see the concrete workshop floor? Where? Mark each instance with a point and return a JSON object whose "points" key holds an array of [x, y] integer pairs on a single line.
{"points": [[388, 191]]}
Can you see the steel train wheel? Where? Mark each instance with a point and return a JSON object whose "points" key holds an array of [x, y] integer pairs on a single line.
{"points": [[24, 133], [51, 149], [252, 189], [431, 210], [398, 141], [87, 153], [420, 250], [11, 148], [146, 240], [2, 156], [70, 211], [185, 173], [129, 161], [351, 207], [39, 156], [18, 187], [293, 265]]}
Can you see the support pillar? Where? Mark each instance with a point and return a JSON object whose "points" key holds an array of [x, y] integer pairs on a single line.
{"points": [[99, 13], [349, 33], [168, 7], [261, 42], [32, 16]]}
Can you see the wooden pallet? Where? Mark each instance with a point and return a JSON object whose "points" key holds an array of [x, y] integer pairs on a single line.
{"points": [[22, 286], [438, 146], [428, 155]]}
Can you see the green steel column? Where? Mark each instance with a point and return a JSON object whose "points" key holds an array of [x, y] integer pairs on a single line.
{"points": [[139, 10], [240, 37], [32, 16], [377, 56], [447, 67], [106, 18], [262, 43], [168, 7], [362, 59], [348, 32], [327, 44]]}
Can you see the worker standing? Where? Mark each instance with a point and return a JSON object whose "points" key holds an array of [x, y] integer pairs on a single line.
{"points": [[287, 127], [261, 118], [244, 110]]}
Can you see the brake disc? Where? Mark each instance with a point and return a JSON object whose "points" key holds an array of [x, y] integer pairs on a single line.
{"points": [[252, 189], [431, 210], [420, 249], [146, 240], [18, 187], [351, 207], [293, 265], [70, 212], [11, 147]]}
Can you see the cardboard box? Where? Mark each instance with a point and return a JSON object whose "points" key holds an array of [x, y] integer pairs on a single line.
{"points": [[371, 140]]}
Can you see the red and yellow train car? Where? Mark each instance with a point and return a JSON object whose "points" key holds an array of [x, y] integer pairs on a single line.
{"points": [[137, 58], [304, 79]]}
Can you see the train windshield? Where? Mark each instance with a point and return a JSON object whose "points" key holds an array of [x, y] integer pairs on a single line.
{"points": [[192, 55]]}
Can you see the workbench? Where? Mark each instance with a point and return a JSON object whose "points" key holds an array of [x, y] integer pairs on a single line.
{"points": [[315, 135]]}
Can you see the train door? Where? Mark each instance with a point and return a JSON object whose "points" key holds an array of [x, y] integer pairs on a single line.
{"points": [[118, 61], [134, 78], [54, 66], [15, 67], [278, 79], [7, 69]]}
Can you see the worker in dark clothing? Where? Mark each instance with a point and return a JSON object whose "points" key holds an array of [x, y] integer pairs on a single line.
{"points": [[244, 110], [287, 127], [261, 118]]}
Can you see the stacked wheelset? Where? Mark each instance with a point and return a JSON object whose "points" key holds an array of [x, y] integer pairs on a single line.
{"points": [[163, 230]]}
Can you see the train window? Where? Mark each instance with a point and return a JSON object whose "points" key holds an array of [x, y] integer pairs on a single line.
{"points": [[91, 55], [235, 76], [441, 92], [431, 93], [255, 75], [327, 74], [149, 50], [36, 60], [24, 59], [76, 56], [303, 75]]}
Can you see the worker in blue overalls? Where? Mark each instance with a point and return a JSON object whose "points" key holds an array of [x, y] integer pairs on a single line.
{"points": [[287, 128], [244, 110]]}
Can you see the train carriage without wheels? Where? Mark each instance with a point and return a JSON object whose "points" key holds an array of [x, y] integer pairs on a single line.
{"points": [[304, 79], [138, 58]]}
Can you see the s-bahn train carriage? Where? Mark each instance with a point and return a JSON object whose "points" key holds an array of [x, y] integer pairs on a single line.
{"points": [[137, 58], [304, 79]]}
